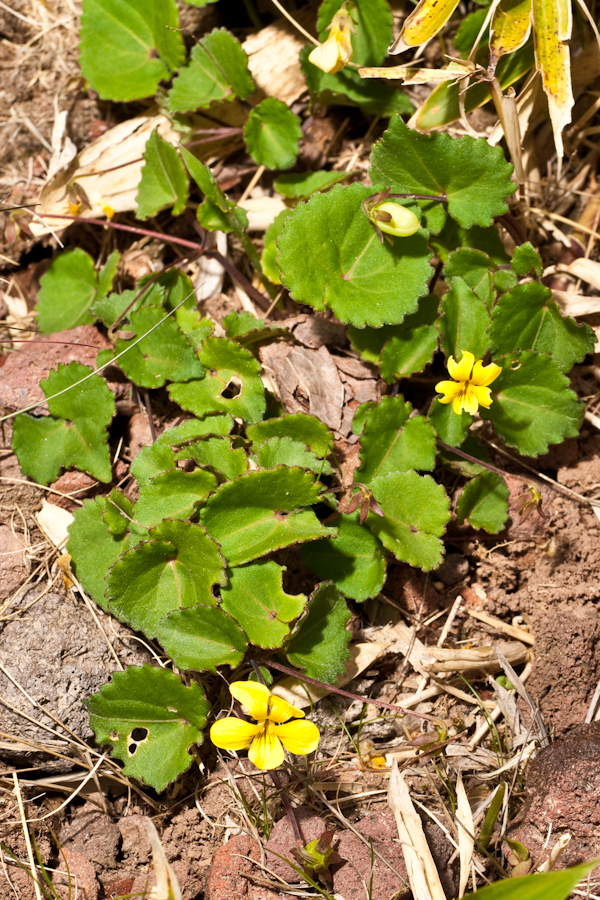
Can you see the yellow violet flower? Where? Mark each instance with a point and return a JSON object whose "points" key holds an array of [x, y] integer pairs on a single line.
{"points": [[264, 739], [336, 51], [470, 388]]}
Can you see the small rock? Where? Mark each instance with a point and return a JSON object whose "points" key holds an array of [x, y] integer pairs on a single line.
{"points": [[80, 873], [282, 839], [13, 566], [361, 865], [92, 834], [225, 881], [454, 568], [78, 484], [135, 841]]}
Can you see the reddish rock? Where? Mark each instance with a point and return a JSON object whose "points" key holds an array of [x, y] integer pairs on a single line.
{"points": [[225, 881], [282, 839], [78, 484], [563, 790], [13, 566], [81, 874], [361, 865]]}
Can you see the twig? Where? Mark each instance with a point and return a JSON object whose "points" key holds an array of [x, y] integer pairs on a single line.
{"points": [[36, 886]]}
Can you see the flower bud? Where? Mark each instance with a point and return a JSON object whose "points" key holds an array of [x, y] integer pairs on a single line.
{"points": [[392, 218]]}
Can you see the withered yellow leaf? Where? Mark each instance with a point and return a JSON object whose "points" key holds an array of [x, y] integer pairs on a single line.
{"points": [[511, 24], [424, 22], [551, 27]]}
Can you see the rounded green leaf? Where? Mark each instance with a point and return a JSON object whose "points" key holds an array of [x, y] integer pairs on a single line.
{"points": [[344, 266], [465, 321], [484, 502], [284, 451], [320, 645], [173, 495], [217, 70], [70, 287], [299, 427], [261, 511], [300, 185], [255, 597], [202, 638], [391, 442], [272, 134], [353, 560], [533, 405], [177, 566], [475, 177], [415, 513], [128, 46], [449, 427], [408, 352], [216, 453], [151, 719]]}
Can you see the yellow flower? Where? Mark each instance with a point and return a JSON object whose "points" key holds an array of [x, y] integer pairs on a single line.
{"points": [[336, 51], [470, 387], [266, 737]]}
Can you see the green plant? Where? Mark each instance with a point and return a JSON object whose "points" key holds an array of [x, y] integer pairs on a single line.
{"points": [[191, 563]]}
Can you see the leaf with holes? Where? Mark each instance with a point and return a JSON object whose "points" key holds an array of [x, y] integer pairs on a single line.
{"points": [[284, 451], [217, 70], [345, 267], [151, 720], [262, 511], [70, 287], [256, 599], [177, 566], [217, 453], [232, 383], [532, 404], [464, 322], [173, 495], [320, 645], [391, 442], [299, 427], [164, 354], [527, 318], [202, 638], [273, 134], [164, 179], [128, 46], [472, 175], [75, 432], [94, 548], [415, 513], [484, 503], [353, 560], [160, 456]]}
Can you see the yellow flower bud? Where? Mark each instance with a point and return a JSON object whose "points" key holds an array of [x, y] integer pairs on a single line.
{"points": [[394, 219], [336, 51]]}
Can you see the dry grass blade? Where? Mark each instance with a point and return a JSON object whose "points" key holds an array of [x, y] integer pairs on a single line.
{"points": [[466, 831], [167, 886], [36, 886], [422, 872]]}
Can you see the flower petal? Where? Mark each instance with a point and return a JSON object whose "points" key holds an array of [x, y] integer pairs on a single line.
{"points": [[266, 751], [233, 733], [450, 389], [298, 737], [484, 375], [326, 56], [461, 371], [280, 710], [253, 696], [469, 399], [482, 395]]}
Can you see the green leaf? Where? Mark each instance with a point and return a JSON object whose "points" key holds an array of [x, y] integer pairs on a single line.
{"points": [[117, 504], [301, 185], [45, 445], [109, 309], [255, 597], [449, 427], [484, 503], [284, 451], [217, 70], [237, 324], [269, 253], [217, 453], [475, 268], [128, 46], [547, 886], [527, 318], [299, 427], [202, 638], [469, 29], [151, 719], [320, 646], [164, 179], [474, 176], [173, 495], [369, 342], [205, 180], [465, 321], [532, 404], [415, 513], [373, 23], [94, 549], [177, 566], [353, 560], [526, 259], [232, 383], [408, 352], [214, 219], [344, 266], [272, 134], [163, 355], [260, 512], [160, 456], [70, 287], [392, 443], [487, 240]]}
